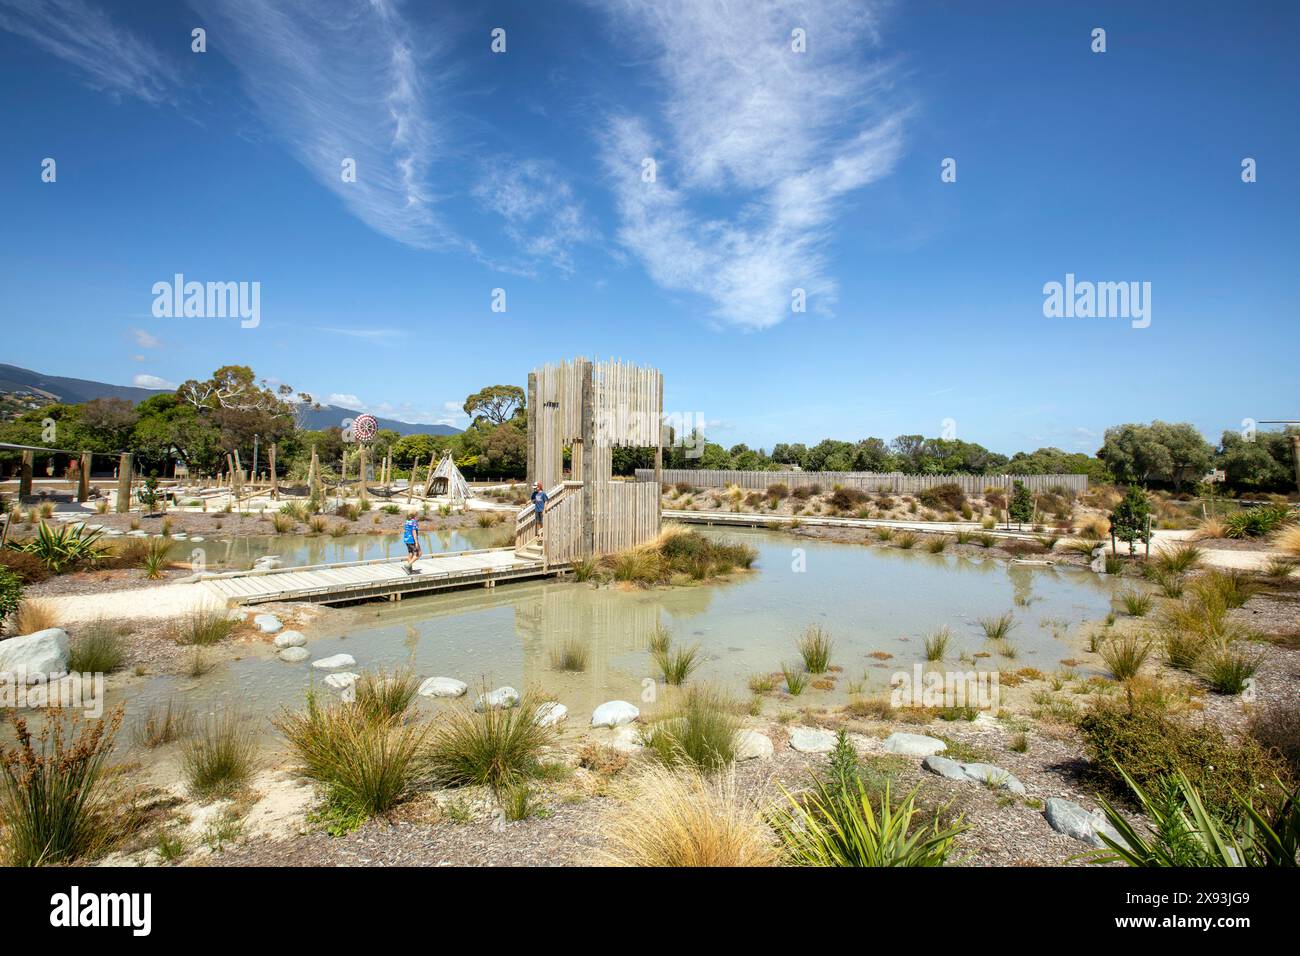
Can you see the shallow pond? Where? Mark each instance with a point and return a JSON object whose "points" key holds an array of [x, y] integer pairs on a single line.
{"points": [[872, 600], [239, 552]]}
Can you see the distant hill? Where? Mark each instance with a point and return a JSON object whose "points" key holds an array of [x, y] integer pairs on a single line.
{"points": [[74, 391]]}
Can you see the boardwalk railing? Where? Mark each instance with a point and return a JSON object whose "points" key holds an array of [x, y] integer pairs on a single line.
{"points": [[889, 482], [560, 518]]}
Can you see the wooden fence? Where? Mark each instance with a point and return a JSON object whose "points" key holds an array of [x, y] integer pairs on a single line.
{"points": [[891, 482]]}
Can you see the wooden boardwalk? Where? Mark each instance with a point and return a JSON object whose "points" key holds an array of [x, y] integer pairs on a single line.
{"points": [[379, 578]]}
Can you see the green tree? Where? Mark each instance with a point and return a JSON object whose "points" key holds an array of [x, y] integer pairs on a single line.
{"points": [[1159, 452], [1021, 508], [1130, 518], [497, 404]]}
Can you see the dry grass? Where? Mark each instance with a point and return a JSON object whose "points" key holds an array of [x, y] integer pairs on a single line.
{"points": [[1287, 540], [34, 615], [1209, 529], [686, 819]]}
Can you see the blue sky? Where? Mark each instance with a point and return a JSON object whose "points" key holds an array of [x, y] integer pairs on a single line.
{"points": [[774, 170]]}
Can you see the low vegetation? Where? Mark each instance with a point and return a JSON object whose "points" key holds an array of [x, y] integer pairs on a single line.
{"points": [[700, 731], [218, 759], [497, 747]]}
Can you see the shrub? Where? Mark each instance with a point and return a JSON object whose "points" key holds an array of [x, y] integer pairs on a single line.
{"points": [[53, 802], [815, 648], [154, 561], [218, 760], [946, 496], [778, 491], [1276, 727], [686, 819], [97, 649], [62, 549], [846, 499], [837, 825], [700, 732], [1150, 745], [1256, 522], [11, 592], [495, 747], [28, 568]]}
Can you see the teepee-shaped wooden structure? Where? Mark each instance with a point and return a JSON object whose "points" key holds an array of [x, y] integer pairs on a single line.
{"points": [[447, 481]]}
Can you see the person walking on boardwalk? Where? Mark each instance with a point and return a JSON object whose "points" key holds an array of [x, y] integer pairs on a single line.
{"points": [[411, 536], [539, 505]]}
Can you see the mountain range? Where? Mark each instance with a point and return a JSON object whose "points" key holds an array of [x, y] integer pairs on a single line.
{"points": [[74, 391]]}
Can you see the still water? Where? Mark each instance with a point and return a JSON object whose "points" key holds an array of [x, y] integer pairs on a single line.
{"points": [[881, 600], [239, 553]]}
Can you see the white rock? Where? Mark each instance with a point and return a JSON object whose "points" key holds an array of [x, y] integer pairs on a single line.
{"points": [[267, 623], [614, 713], [443, 687], [35, 657], [196, 538], [752, 745], [294, 655], [267, 562], [137, 533], [550, 713], [914, 745], [341, 680], [334, 662], [290, 639], [812, 740], [499, 699], [627, 739]]}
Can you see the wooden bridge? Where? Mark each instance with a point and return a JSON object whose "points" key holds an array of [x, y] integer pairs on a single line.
{"points": [[380, 577]]}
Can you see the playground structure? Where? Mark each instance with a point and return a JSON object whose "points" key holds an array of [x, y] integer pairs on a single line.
{"points": [[592, 408]]}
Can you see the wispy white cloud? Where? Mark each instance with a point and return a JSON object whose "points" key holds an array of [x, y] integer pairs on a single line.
{"points": [[368, 334], [542, 216], [345, 400], [345, 79], [145, 339], [152, 381], [108, 56], [781, 138]]}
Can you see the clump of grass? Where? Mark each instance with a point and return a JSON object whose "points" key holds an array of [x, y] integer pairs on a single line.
{"points": [[675, 664], [1179, 559], [676, 819], [1113, 564], [98, 649], [1287, 540], [162, 724], [905, 540], [762, 683], [317, 524], [496, 747], [796, 681], [1171, 585], [936, 644], [701, 732], [338, 529], [54, 790], [383, 696], [1228, 669], [1279, 569], [1211, 528], [1183, 649], [585, 568], [1125, 655], [367, 765], [217, 760], [1230, 586], [282, 523], [815, 647], [985, 540], [199, 664], [936, 544], [569, 655], [998, 628], [34, 615], [884, 534], [204, 626], [1136, 603]]}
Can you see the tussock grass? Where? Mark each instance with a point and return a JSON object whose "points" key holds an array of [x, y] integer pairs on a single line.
{"points": [[998, 628], [497, 747], [367, 766], [54, 790], [675, 664], [34, 615], [282, 523], [162, 724], [1124, 656], [701, 731], [936, 644], [672, 819], [97, 649], [815, 647], [217, 760], [569, 655], [1136, 603], [1183, 649], [796, 681], [1179, 559], [1230, 586], [381, 695], [154, 560], [204, 626], [936, 544], [905, 540], [1227, 669], [1279, 569], [1287, 540], [1209, 529]]}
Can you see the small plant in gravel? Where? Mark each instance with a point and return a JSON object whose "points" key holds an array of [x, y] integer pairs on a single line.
{"points": [[700, 732], [676, 664], [496, 747], [1229, 669], [569, 655], [204, 626]]}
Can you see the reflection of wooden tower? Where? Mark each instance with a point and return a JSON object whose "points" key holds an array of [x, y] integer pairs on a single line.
{"points": [[593, 407]]}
